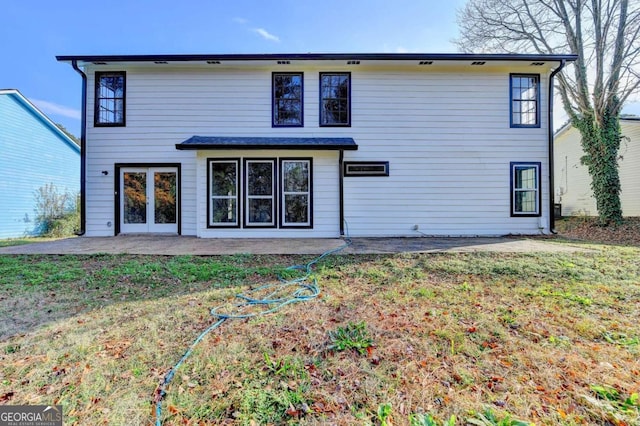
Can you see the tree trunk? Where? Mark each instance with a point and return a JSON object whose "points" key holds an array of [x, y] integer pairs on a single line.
{"points": [[601, 142]]}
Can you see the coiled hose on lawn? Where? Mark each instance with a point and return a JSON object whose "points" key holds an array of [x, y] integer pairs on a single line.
{"points": [[279, 295]]}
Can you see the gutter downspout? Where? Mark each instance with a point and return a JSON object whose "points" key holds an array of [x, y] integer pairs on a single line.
{"points": [[341, 191], [552, 189], [83, 150]]}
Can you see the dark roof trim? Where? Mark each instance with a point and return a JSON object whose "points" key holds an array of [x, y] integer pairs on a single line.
{"points": [[320, 56], [232, 142]]}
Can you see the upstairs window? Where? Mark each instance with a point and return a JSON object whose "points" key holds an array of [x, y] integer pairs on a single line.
{"points": [[525, 189], [110, 99], [287, 99], [335, 99], [525, 100]]}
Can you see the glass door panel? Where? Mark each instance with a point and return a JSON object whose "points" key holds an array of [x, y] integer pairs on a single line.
{"points": [[139, 192], [165, 193]]}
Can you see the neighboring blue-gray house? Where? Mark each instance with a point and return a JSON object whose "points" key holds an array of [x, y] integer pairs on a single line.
{"points": [[33, 152]]}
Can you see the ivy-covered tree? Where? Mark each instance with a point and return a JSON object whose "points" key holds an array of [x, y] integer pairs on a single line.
{"points": [[605, 34]]}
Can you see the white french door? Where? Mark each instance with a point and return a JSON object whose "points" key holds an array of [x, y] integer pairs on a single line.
{"points": [[148, 199]]}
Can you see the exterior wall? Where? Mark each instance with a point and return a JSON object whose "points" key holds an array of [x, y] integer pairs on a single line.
{"points": [[572, 180], [32, 154], [445, 133]]}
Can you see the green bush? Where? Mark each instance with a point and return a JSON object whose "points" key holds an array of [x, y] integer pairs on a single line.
{"points": [[57, 213]]}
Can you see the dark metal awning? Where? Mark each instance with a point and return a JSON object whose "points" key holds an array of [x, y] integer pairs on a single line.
{"points": [[232, 142]]}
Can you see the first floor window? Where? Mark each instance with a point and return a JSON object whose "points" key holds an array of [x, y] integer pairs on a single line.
{"points": [[296, 192], [260, 193], [223, 204], [259, 203], [525, 189]]}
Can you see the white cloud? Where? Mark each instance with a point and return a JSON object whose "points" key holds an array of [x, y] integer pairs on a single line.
{"points": [[266, 35], [240, 21], [53, 108]]}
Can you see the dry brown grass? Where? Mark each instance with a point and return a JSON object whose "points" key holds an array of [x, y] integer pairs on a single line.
{"points": [[587, 229], [453, 334]]}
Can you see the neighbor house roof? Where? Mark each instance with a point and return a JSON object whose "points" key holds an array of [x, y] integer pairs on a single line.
{"points": [[227, 142], [623, 119], [26, 103]]}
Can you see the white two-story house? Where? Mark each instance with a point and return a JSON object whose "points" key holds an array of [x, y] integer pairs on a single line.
{"points": [[317, 145]]}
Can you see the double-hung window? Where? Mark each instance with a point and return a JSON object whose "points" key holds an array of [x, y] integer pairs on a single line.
{"points": [[296, 193], [223, 184], [525, 100], [110, 99], [287, 99], [335, 99], [260, 193], [525, 189]]}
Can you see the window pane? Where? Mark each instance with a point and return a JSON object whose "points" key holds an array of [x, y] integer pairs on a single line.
{"points": [[165, 197], [296, 208], [525, 178], [334, 102], [296, 176], [260, 181], [224, 210], [526, 202], [287, 99], [260, 210], [524, 100], [110, 96], [135, 197], [223, 179]]}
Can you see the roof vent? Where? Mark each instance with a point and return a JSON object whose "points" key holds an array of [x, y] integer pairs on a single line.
{"points": [[99, 63], [160, 62], [478, 63], [284, 62], [213, 62], [354, 62], [537, 64], [425, 63]]}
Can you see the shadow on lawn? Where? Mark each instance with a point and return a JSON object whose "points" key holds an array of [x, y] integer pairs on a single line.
{"points": [[39, 289]]}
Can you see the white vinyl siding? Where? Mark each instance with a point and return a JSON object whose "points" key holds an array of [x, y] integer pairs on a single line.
{"points": [[572, 180], [445, 133]]}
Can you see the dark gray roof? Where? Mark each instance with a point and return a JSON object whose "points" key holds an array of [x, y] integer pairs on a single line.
{"points": [[235, 142], [320, 56]]}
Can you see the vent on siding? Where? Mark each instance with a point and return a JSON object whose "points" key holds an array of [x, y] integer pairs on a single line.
{"points": [[353, 62], [213, 62], [425, 63], [99, 63], [160, 62], [366, 168], [284, 62], [478, 63], [537, 64]]}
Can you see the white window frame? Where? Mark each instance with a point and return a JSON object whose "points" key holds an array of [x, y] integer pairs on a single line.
{"points": [[248, 196], [283, 193], [212, 197]]}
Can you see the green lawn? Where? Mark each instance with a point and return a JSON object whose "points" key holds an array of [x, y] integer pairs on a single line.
{"points": [[21, 241], [393, 339]]}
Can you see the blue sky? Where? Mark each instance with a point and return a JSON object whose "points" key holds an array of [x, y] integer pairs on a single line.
{"points": [[34, 32]]}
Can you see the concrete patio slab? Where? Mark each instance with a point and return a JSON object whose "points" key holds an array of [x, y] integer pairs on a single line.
{"points": [[181, 245]]}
